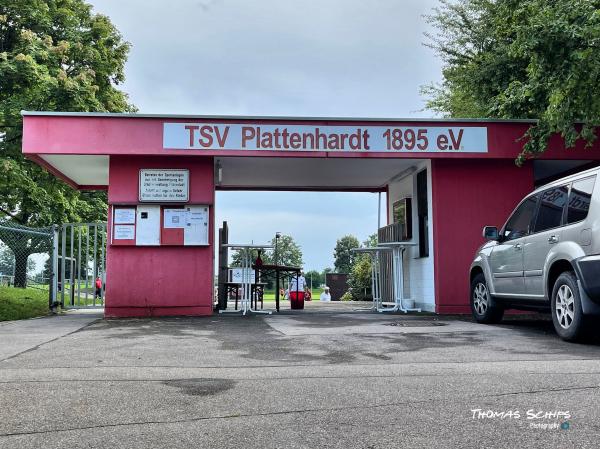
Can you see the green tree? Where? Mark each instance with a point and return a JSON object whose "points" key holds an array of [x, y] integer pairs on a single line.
{"points": [[343, 255], [371, 241], [359, 280], [520, 59], [7, 262], [317, 278], [289, 252], [238, 256], [55, 55], [324, 274]]}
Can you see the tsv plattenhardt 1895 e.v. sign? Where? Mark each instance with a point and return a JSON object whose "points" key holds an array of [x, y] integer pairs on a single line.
{"points": [[282, 137]]}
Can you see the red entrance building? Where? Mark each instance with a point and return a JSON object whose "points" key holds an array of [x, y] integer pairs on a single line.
{"points": [[445, 179]]}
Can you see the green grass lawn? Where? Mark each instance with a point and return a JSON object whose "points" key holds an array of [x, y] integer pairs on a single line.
{"points": [[20, 303]]}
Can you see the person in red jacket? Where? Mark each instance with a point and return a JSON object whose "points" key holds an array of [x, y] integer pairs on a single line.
{"points": [[98, 293]]}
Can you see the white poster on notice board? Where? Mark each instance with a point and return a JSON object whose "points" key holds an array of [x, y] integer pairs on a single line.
{"points": [[148, 225], [124, 232], [196, 225], [125, 215], [174, 218]]}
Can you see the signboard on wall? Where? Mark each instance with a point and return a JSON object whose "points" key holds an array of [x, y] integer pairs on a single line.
{"points": [[241, 275], [282, 137], [124, 232], [174, 218], [157, 225], [164, 185], [124, 215]]}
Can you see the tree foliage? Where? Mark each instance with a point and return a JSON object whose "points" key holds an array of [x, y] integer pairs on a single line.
{"points": [[55, 55], [7, 262], [520, 59], [21, 242], [359, 280], [343, 255], [317, 278], [238, 256], [289, 253]]}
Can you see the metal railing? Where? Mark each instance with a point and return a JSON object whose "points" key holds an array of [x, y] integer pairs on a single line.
{"points": [[80, 264], [392, 233]]}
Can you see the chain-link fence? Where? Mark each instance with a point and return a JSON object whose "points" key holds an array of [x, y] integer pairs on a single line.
{"points": [[25, 256], [67, 261]]}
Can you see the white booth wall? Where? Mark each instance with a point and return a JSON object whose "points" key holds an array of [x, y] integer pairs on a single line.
{"points": [[418, 271]]}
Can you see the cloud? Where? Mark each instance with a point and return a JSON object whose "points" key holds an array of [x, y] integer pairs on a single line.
{"points": [[272, 57], [269, 57], [316, 220]]}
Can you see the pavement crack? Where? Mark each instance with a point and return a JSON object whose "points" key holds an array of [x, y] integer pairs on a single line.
{"points": [[280, 413], [544, 390], [36, 347], [207, 418], [262, 379], [297, 365]]}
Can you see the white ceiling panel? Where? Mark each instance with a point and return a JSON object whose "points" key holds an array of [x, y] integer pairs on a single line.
{"points": [[84, 170], [309, 173], [275, 173]]}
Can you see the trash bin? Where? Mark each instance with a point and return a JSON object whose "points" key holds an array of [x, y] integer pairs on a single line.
{"points": [[297, 300]]}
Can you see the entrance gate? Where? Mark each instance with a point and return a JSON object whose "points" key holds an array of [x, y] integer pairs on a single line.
{"points": [[79, 259]]}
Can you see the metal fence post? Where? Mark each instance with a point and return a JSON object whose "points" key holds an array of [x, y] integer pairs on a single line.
{"points": [[95, 272], [63, 256], [54, 274], [72, 267], [104, 235]]}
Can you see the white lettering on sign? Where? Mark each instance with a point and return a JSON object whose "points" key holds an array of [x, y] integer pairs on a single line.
{"points": [[164, 185], [387, 139]]}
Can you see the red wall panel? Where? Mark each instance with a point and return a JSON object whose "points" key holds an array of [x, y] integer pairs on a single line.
{"points": [[467, 195], [159, 280]]}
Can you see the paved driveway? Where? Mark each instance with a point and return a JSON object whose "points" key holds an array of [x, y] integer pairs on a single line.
{"points": [[325, 377]]}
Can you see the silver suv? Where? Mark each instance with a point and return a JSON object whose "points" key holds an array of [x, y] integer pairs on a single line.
{"points": [[546, 257]]}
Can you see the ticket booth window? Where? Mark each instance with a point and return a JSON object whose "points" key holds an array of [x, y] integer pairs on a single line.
{"points": [[423, 214]]}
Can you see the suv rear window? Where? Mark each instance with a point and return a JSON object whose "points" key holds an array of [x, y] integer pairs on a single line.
{"points": [[579, 199], [551, 208]]}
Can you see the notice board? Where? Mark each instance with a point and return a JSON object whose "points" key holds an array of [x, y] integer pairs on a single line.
{"points": [[185, 225], [160, 225]]}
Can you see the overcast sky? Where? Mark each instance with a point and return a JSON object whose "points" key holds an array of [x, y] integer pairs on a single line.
{"points": [[274, 57]]}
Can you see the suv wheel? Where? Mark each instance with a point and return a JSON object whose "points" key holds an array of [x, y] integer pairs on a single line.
{"points": [[567, 315], [483, 307]]}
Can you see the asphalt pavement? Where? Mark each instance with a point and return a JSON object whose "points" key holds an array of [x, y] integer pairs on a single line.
{"points": [[328, 376]]}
